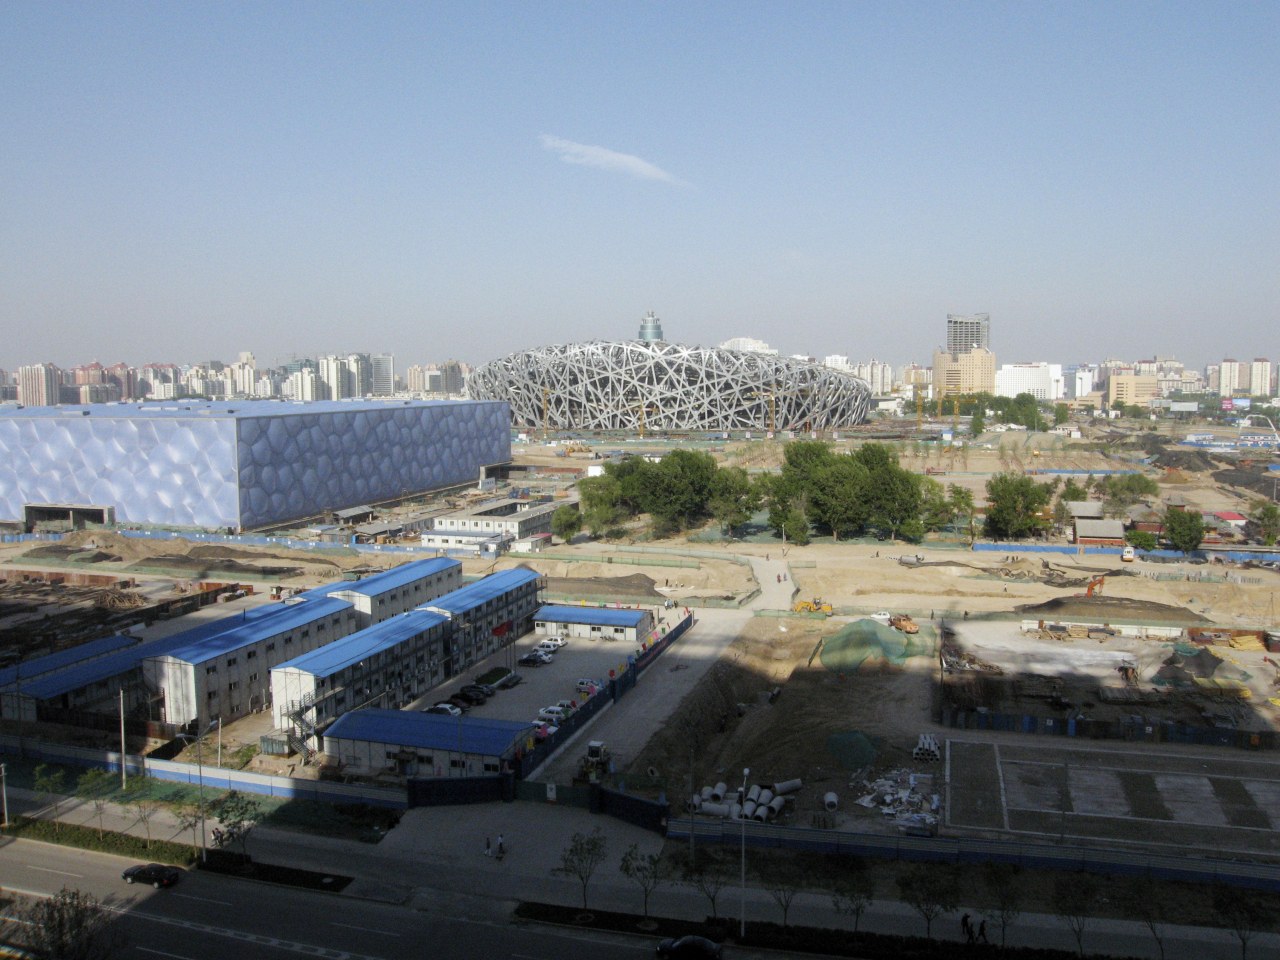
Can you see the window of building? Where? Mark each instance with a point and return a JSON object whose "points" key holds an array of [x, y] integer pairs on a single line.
{"points": [[253, 678], [212, 695], [491, 767], [233, 684], [271, 646], [210, 671], [231, 661], [251, 654]]}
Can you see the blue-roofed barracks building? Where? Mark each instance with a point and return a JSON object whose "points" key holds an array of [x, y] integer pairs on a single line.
{"points": [[228, 674], [594, 623], [238, 465], [399, 743]]}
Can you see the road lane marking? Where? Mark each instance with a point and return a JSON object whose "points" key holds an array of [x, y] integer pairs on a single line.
{"points": [[352, 926], [161, 953], [62, 873], [187, 896], [291, 946]]}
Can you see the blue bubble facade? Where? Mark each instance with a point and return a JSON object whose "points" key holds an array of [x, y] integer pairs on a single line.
{"points": [[242, 465]]}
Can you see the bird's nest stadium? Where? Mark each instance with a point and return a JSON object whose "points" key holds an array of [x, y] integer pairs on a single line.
{"points": [[653, 385]]}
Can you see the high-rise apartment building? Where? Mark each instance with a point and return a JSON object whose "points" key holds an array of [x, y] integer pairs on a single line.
{"points": [[1260, 377], [39, 385], [965, 332], [1042, 380], [1232, 377], [973, 371], [383, 366]]}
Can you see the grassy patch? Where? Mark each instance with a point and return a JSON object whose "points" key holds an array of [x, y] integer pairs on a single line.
{"points": [[88, 838]]}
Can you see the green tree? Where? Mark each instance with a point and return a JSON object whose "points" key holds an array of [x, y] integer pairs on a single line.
{"points": [[1073, 492], [71, 925], [930, 890], [189, 817], [852, 895], [48, 783], [679, 489], [566, 522], [1061, 414], [1073, 897], [839, 498], [95, 786], [1184, 529], [1141, 540], [237, 814], [645, 870], [734, 497], [1267, 516], [977, 424], [1243, 913], [961, 500], [1014, 505], [1004, 881], [709, 878], [601, 502], [936, 509], [581, 858]]}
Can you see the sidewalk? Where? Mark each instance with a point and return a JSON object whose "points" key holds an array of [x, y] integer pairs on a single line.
{"points": [[434, 862]]}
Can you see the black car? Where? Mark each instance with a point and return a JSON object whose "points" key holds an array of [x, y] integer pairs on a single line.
{"points": [[480, 690], [690, 946], [509, 681], [157, 874], [473, 697], [531, 660]]}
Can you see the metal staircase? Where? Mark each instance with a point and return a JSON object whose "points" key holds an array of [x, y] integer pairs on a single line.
{"points": [[297, 712]]}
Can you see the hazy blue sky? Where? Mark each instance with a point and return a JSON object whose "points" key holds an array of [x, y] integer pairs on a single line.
{"points": [[184, 181]]}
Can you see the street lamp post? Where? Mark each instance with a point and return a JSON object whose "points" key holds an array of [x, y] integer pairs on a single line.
{"points": [[742, 802], [198, 740], [4, 794]]}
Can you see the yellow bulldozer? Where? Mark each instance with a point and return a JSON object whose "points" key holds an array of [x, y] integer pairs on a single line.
{"points": [[816, 605]]}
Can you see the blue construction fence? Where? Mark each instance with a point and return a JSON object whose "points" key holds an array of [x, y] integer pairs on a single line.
{"points": [[1110, 861], [1235, 556], [1133, 728]]}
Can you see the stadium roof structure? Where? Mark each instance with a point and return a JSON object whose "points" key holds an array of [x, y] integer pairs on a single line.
{"points": [[407, 728], [594, 616], [340, 654], [482, 591], [637, 384]]}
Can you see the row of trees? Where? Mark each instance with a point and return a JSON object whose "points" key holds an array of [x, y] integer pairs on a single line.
{"points": [[817, 490]]}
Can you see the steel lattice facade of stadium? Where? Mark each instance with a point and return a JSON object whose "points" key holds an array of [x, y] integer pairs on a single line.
{"points": [[610, 385]]}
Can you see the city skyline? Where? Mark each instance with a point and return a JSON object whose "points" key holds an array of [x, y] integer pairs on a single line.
{"points": [[468, 182]]}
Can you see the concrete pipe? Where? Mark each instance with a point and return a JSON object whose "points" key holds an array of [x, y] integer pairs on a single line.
{"points": [[748, 810], [776, 805], [714, 810], [735, 811], [718, 791], [761, 813], [753, 792], [706, 794], [693, 803], [765, 796], [831, 802], [786, 786]]}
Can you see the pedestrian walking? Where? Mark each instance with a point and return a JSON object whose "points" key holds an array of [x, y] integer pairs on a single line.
{"points": [[982, 932], [966, 927], [488, 850], [502, 850]]}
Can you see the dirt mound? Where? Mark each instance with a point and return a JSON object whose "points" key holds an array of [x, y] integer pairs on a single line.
{"points": [[1188, 461], [636, 585], [1104, 608], [1256, 479]]}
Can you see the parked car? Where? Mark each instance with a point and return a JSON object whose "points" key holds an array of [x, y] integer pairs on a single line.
{"points": [[444, 709], [553, 714], [488, 689], [472, 695], [532, 659], [587, 685], [542, 729], [546, 656], [558, 641], [568, 706], [882, 617], [157, 874], [509, 681], [547, 646], [690, 946], [460, 702]]}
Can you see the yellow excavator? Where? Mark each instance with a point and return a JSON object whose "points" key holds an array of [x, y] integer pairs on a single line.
{"points": [[816, 605]]}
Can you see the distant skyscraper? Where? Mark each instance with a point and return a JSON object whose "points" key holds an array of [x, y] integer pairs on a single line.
{"points": [[748, 345], [384, 375], [966, 332], [452, 379], [38, 385], [650, 328]]}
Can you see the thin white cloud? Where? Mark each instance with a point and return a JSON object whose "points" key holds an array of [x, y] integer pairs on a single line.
{"points": [[603, 158]]}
